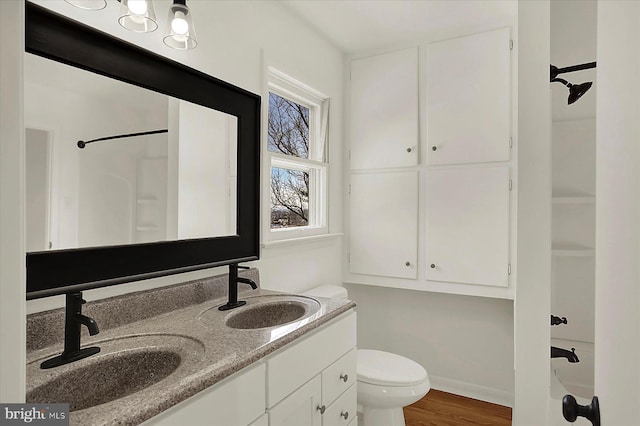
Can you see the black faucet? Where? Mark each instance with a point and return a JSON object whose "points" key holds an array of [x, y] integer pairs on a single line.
{"points": [[234, 279], [73, 322], [557, 320], [563, 353]]}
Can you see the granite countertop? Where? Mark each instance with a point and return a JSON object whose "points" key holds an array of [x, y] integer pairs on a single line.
{"points": [[208, 350]]}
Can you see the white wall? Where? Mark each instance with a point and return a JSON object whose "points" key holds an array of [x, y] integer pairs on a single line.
{"points": [[235, 41], [465, 343], [617, 334], [531, 330], [12, 190]]}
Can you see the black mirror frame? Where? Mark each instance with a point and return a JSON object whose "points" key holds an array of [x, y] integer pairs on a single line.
{"points": [[50, 273]]}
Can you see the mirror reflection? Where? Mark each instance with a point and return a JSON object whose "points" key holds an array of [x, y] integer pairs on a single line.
{"points": [[177, 183]]}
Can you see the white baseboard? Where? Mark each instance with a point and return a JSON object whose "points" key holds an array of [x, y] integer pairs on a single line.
{"points": [[471, 390]]}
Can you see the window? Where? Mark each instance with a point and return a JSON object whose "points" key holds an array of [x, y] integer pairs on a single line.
{"points": [[296, 155]]}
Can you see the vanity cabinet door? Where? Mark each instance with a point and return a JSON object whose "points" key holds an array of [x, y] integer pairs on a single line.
{"points": [[384, 110], [237, 400], [469, 99], [468, 225], [339, 376], [343, 410], [384, 224], [302, 407]]}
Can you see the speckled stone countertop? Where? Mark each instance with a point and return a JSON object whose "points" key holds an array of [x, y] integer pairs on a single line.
{"points": [[153, 333]]}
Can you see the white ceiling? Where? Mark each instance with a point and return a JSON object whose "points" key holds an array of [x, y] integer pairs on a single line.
{"points": [[361, 25]]}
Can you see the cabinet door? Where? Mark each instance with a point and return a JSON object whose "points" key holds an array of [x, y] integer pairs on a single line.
{"points": [[237, 400], [384, 224], [468, 98], [468, 225], [339, 376], [384, 110], [302, 407], [342, 411]]}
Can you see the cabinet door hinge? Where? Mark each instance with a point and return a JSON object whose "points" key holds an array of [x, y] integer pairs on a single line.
{"points": [[510, 184], [509, 270], [510, 142], [349, 257], [349, 189], [510, 44]]}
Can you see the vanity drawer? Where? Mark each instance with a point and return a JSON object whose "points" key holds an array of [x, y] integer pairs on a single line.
{"points": [[304, 359], [338, 377], [343, 410]]}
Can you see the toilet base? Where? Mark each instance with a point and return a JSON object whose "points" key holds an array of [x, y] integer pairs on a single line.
{"points": [[380, 417]]}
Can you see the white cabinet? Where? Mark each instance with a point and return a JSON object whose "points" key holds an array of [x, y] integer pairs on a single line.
{"points": [[300, 408], [384, 224], [384, 110], [469, 99], [468, 225], [313, 383], [310, 382], [237, 400]]}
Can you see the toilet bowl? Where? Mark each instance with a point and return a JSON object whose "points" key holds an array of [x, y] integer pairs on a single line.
{"points": [[386, 382]]}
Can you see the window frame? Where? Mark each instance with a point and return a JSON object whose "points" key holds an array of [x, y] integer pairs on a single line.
{"points": [[284, 86]]}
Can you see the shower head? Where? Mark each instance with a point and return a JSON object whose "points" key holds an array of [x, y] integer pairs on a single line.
{"points": [[575, 90]]}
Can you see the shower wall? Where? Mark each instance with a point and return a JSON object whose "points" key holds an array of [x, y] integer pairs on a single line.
{"points": [[573, 41]]}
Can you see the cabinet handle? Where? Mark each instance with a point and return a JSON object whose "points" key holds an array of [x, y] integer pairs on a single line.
{"points": [[433, 266], [434, 148], [321, 408], [407, 263], [344, 377], [345, 414], [409, 149]]}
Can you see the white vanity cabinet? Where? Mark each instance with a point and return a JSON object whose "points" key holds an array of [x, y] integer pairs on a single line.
{"points": [[313, 383], [309, 382]]}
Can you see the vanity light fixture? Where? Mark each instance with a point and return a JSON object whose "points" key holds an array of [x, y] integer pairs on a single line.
{"points": [[181, 32], [88, 4], [138, 15]]}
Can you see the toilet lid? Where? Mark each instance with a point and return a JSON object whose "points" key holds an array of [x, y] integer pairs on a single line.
{"points": [[387, 369]]}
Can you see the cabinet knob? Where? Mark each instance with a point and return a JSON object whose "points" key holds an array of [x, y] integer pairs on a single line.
{"points": [[433, 266], [321, 408], [345, 414], [409, 149], [434, 148], [344, 377], [407, 263]]}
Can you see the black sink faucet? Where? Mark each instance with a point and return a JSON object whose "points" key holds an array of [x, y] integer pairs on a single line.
{"points": [[563, 353], [73, 322], [234, 279]]}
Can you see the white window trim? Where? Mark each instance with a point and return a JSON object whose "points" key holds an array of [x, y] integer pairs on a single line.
{"points": [[283, 85]]}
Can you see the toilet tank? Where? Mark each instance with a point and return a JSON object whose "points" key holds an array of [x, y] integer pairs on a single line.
{"points": [[330, 291]]}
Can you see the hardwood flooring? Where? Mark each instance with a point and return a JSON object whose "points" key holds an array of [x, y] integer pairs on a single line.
{"points": [[439, 408]]}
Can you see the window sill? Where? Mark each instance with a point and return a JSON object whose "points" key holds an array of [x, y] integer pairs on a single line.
{"points": [[300, 240]]}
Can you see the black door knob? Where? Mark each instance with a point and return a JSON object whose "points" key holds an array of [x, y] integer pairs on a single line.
{"points": [[571, 410]]}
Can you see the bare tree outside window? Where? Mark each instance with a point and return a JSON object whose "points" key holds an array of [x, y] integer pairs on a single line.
{"points": [[288, 133]]}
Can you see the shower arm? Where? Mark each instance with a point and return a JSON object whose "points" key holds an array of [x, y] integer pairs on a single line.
{"points": [[82, 144], [555, 70]]}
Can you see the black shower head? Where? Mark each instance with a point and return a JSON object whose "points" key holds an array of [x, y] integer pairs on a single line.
{"points": [[575, 90]]}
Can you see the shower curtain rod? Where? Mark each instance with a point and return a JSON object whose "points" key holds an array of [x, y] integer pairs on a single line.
{"points": [[555, 70], [82, 144]]}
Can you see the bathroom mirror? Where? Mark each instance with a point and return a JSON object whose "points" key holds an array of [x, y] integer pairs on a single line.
{"points": [[150, 167], [181, 196]]}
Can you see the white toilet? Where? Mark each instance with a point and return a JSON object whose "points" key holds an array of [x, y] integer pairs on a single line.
{"points": [[386, 382]]}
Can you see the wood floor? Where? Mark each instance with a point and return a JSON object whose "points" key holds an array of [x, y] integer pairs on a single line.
{"points": [[444, 409]]}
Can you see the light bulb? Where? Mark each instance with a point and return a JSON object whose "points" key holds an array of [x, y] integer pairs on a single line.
{"points": [[179, 25], [137, 7]]}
